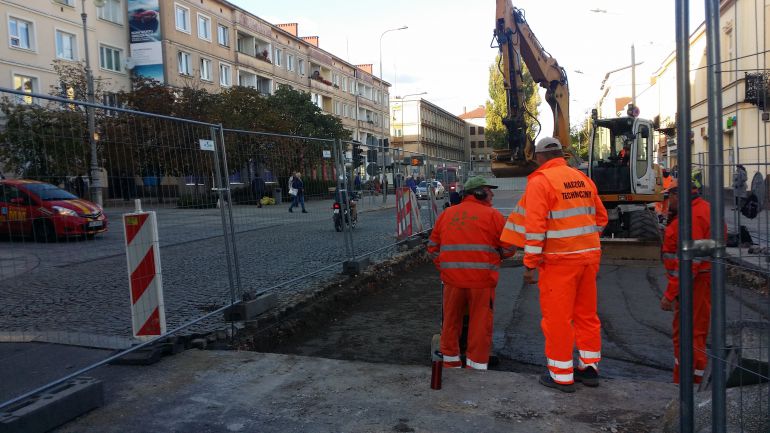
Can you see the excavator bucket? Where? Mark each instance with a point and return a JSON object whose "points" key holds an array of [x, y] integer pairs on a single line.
{"points": [[630, 249], [505, 166]]}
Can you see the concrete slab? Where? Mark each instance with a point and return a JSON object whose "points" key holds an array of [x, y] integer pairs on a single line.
{"points": [[247, 391]]}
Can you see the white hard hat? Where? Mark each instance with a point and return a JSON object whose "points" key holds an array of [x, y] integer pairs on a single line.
{"points": [[547, 144]]}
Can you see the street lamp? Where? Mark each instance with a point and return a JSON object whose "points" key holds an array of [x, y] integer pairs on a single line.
{"points": [[96, 185], [382, 121], [607, 76]]}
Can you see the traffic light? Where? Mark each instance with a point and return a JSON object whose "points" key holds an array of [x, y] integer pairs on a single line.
{"points": [[417, 160], [358, 158]]}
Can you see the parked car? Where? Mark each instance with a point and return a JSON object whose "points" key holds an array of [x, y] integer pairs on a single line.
{"points": [[422, 190], [46, 212]]}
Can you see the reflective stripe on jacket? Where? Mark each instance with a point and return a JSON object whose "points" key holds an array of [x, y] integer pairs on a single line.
{"points": [[559, 218], [465, 244], [701, 229]]}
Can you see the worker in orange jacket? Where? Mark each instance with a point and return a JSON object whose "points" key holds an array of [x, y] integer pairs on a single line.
{"points": [[701, 271], [661, 207], [465, 245], [558, 221]]}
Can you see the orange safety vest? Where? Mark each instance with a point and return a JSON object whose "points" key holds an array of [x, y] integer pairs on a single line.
{"points": [[701, 229], [465, 244], [559, 218]]}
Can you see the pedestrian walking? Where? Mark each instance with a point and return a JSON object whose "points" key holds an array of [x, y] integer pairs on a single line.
{"points": [[466, 248], [701, 272], [558, 221], [298, 198], [258, 188], [412, 184], [739, 186], [357, 183]]}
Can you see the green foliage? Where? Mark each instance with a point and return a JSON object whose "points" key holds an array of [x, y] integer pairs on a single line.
{"points": [[52, 141], [495, 132]]}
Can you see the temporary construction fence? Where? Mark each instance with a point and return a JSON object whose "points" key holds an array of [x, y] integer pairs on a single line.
{"points": [[227, 226]]}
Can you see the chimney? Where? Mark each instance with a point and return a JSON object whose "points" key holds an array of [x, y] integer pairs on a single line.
{"points": [[366, 68], [313, 40], [290, 28], [464, 110]]}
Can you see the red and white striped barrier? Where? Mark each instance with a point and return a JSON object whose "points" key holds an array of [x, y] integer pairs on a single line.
{"points": [[433, 205], [408, 219], [148, 314]]}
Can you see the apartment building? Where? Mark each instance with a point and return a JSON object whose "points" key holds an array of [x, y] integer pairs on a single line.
{"points": [[477, 147], [213, 44], [745, 118], [208, 44], [421, 127], [35, 33]]}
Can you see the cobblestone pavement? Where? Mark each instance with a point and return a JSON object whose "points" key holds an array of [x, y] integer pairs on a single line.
{"points": [[82, 286]]}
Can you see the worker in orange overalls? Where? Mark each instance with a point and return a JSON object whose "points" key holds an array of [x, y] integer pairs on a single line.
{"points": [[661, 207], [701, 271], [558, 221], [465, 245]]}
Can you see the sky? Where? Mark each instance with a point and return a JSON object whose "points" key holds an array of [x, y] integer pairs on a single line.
{"points": [[445, 51]]}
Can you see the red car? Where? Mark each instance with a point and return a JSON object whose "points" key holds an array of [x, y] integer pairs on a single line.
{"points": [[42, 210]]}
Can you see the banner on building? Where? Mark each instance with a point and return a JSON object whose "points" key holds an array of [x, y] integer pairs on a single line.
{"points": [[145, 38]]}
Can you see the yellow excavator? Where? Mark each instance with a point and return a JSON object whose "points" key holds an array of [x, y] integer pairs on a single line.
{"points": [[620, 159]]}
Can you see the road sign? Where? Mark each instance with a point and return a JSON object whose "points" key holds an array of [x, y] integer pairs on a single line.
{"points": [[372, 169]]}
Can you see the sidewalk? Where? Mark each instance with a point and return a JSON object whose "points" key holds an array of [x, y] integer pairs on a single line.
{"points": [[758, 228], [246, 391]]}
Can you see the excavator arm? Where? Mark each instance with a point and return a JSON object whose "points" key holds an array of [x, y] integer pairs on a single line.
{"points": [[518, 44]]}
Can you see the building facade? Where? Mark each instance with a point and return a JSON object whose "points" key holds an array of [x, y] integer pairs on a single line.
{"points": [[423, 128], [745, 117], [37, 33], [478, 149], [208, 44]]}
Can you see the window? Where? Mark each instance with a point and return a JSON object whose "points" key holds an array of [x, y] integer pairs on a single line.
{"points": [[205, 69], [183, 59], [111, 11], [65, 45], [204, 27], [24, 84], [344, 84], [225, 75], [473, 144], [301, 67], [110, 58], [70, 3], [111, 99], [481, 143], [20, 33], [473, 130], [277, 57], [290, 62], [182, 18], [223, 35], [481, 130]]}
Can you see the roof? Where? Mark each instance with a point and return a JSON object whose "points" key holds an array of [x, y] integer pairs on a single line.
{"points": [[478, 113]]}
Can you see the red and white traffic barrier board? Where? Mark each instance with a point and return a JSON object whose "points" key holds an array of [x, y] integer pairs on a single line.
{"points": [[407, 213], [148, 314]]}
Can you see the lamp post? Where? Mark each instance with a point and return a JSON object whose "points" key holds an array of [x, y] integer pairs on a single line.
{"points": [[382, 121], [607, 77], [96, 185]]}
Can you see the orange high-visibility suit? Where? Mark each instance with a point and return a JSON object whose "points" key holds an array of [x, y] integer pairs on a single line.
{"points": [[558, 222], [701, 289], [661, 207], [465, 246]]}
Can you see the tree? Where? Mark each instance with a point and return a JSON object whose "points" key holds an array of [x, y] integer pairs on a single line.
{"points": [[496, 133]]}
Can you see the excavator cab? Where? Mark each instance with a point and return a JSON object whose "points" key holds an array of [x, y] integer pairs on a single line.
{"points": [[620, 154]]}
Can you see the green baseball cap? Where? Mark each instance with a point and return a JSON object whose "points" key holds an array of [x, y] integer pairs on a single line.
{"points": [[476, 182]]}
